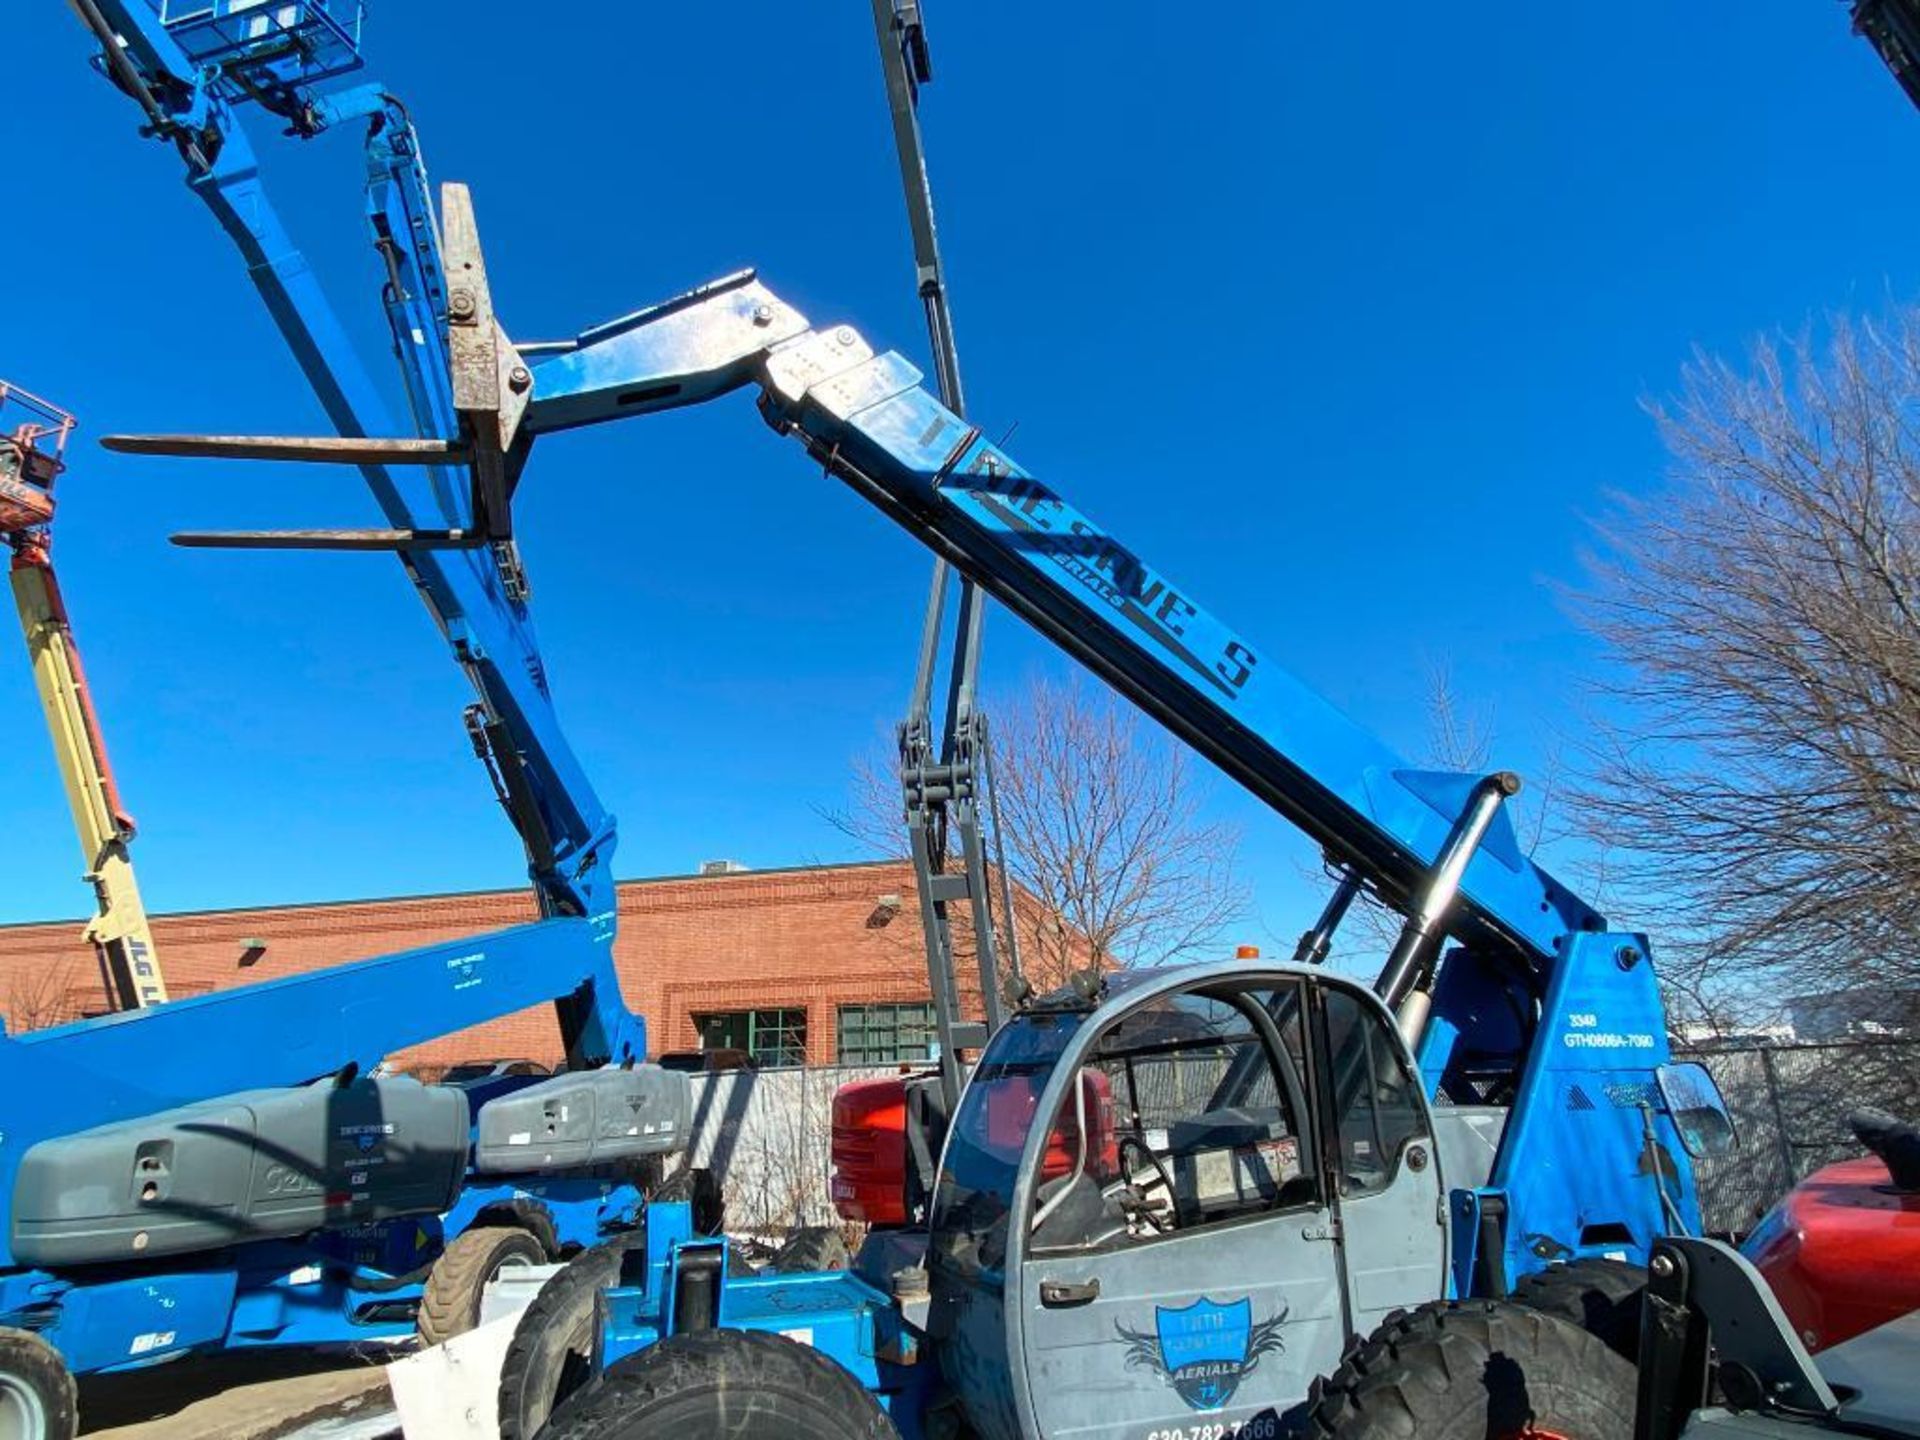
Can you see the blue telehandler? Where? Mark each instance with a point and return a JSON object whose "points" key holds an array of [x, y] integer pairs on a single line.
{"points": [[1200, 1202], [1197, 1202]]}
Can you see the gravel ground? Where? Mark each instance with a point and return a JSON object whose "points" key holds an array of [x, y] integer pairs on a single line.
{"points": [[264, 1396]]}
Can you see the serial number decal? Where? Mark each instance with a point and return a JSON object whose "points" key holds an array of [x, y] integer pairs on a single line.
{"points": [[1261, 1427], [1606, 1040], [1584, 1033]]}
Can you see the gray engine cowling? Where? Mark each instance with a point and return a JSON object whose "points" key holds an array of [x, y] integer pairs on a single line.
{"points": [[590, 1118], [256, 1165]]}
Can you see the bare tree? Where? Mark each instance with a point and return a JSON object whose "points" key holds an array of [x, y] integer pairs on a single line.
{"points": [[1461, 736], [41, 995], [1104, 828], [1762, 778]]}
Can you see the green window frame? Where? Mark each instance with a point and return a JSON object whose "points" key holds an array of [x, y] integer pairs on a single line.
{"points": [[886, 1033], [772, 1037]]}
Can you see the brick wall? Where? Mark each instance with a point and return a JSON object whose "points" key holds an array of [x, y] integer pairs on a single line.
{"points": [[811, 938]]}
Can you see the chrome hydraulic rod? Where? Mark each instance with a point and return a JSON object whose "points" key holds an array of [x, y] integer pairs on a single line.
{"points": [[1405, 978]]}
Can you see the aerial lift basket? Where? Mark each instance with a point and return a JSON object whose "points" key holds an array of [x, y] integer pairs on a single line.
{"points": [[259, 48], [33, 435]]}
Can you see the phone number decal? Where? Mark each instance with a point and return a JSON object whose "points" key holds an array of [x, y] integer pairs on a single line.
{"points": [[1261, 1427]]}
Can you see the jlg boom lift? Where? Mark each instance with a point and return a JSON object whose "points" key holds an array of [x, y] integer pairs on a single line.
{"points": [[1168, 1202], [33, 440]]}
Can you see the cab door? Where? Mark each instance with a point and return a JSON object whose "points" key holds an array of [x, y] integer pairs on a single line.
{"points": [[1382, 1160], [1178, 1270]]}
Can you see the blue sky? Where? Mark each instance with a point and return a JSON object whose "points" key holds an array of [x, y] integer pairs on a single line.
{"points": [[1344, 324]]}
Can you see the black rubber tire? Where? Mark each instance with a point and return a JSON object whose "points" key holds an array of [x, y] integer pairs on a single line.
{"points": [[551, 1353], [1475, 1370], [37, 1395], [692, 1185], [458, 1280], [1602, 1297], [810, 1249], [745, 1385]]}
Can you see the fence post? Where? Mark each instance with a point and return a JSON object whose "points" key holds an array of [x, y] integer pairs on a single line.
{"points": [[807, 1149], [1779, 1116]]}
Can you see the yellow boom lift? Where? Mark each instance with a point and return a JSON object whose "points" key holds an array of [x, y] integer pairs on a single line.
{"points": [[33, 439]]}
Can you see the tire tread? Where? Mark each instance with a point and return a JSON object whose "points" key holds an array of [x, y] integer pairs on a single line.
{"points": [[35, 1361], [554, 1307], [1602, 1297], [452, 1292], [1394, 1384], [614, 1406]]}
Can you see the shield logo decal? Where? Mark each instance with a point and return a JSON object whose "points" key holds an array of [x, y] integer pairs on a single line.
{"points": [[1203, 1349]]}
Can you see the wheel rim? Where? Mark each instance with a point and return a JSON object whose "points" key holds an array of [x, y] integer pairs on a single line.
{"points": [[501, 1266], [23, 1415], [507, 1262]]}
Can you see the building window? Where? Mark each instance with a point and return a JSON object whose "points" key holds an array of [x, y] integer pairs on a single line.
{"points": [[885, 1034], [771, 1037]]}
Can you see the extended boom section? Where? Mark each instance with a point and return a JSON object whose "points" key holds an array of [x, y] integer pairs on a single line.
{"points": [[867, 418], [33, 437]]}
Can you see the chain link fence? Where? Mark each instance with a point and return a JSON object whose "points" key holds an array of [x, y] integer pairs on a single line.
{"points": [[1790, 1103], [767, 1133]]}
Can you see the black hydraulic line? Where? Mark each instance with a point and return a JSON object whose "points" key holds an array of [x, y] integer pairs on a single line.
{"points": [[124, 75], [129, 80], [1316, 943], [493, 746], [903, 58]]}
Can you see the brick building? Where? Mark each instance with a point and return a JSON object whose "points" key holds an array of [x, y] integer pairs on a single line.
{"points": [[821, 963]]}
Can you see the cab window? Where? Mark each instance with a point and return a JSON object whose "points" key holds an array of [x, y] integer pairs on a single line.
{"points": [[1190, 1111], [1376, 1098], [981, 1164]]}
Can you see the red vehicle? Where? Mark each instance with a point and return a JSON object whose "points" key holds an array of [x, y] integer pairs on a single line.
{"points": [[870, 1144], [1842, 1250]]}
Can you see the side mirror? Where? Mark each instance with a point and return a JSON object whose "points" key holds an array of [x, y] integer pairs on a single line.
{"points": [[1699, 1113]]}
